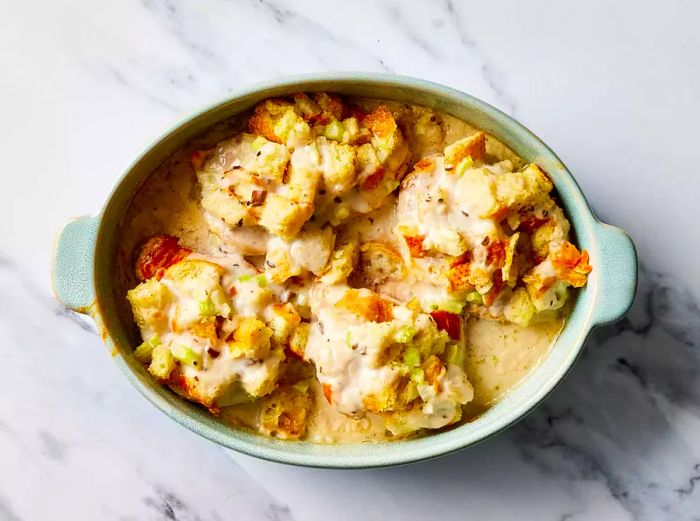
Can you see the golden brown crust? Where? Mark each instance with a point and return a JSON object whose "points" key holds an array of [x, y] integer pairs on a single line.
{"points": [[284, 412], [474, 146], [330, 103], [369, 306], [380, 122], [415, 244], [262, 122], [379, 262], [459, 277], [571, 266]]}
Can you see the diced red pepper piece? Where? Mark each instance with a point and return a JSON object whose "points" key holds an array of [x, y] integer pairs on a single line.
{"points": [[450, 322]]}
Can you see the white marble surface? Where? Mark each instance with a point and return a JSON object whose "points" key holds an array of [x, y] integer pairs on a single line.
{"points": [[612, 88]]}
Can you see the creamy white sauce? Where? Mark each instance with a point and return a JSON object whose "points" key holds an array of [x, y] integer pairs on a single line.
{"points": [[435, 202], [345, 351]]}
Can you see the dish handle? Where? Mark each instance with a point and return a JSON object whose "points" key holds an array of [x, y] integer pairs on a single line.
{"points": [[617, 275], [72, 269]]}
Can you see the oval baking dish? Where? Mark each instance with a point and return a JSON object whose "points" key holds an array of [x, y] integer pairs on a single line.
{"points": [[85, 257]]}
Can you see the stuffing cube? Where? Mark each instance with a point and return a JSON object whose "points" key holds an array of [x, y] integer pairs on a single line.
{"points": [[149, 302], [299, 338], [473, 146], [312, 248], [365, 304], [517, 189], [284, 412], [342, 263], [251, 339], [267, 159], [379, 262], [279, 265], [283, 216], [337, 165], [198, 284], [266, 115], [225, 205], [283, 321]]}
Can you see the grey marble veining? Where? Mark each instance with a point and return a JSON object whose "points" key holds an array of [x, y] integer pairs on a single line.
{"points": [[612, 87]]}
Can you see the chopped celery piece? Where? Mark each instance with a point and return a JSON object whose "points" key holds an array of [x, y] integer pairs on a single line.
{"points": [[258, 143], [207, 308], [302, 386], [144, 352], [261, 280], [334, 130], [454, 354], [405, 334], [464, 165], [417, 375], [474, 297], [245, 278], [348, 338], [411, 356], [185, 355], [451, 306]]}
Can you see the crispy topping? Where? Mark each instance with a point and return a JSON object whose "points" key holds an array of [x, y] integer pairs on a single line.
{"points": [[157, 254]]}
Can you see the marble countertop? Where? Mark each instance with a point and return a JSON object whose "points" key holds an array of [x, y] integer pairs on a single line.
{"points": [[612, 87]]}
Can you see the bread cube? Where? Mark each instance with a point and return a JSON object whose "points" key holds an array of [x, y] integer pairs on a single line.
{"points": [[283, 321], [337, 165], [266, 115], [299, 338], [311, 249], [342, 263], [198, 285], [365, 304], [225, 205], [267, 159], [517, 189], [279, 265], [284, 413], [473, 146], [251, 339], [149, 302], [379, 262], [162, 362], [283, 216]]}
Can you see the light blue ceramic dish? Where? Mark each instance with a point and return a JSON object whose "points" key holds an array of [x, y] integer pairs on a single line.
{"points": [[84, 264]]}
